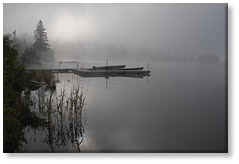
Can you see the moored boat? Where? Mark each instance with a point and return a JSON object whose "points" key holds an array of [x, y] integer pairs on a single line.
{"points": [[135, 68], [108, 67], [114, 67]]}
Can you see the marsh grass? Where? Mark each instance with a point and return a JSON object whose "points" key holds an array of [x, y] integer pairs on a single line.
{"points": [[63, 117]]}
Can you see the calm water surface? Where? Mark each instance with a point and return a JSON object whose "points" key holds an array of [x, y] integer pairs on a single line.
{"points": [[180, 107]]}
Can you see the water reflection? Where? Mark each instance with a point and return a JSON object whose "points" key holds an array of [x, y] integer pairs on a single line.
{"points": [[177, 112], [63, 130]]}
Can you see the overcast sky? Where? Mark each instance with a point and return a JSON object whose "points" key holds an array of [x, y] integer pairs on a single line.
{"points": [[177, 27]]}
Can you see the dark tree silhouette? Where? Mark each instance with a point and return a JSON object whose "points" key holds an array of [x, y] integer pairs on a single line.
{"points": [[41, 40]]}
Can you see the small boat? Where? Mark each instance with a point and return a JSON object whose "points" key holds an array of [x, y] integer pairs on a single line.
{"points": [[135, 68], [108, 67], [116, 67]]}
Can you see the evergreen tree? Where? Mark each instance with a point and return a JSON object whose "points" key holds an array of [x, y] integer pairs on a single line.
{"points": [[13, 81], [41, 40]]}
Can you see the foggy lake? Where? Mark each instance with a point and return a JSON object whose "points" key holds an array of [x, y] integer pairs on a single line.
{"points": [[176, 103], [180, 107]]}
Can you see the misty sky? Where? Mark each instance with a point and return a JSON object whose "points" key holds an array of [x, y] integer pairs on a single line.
{"points": [[177, 28]]}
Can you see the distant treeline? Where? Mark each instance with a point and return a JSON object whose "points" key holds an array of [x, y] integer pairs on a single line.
{"points": [[90, 50], [36, 49]]}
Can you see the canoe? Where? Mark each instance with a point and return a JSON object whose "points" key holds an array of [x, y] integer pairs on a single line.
{"points": [[135, 68], [115, 68], [109, 67]]}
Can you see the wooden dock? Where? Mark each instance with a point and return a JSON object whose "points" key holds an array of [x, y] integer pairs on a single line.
{"points": [[53, 70], [112, 73], [106, 71]]}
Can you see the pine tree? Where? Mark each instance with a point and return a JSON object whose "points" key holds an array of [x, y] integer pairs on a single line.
{"points": [[41, 40]]}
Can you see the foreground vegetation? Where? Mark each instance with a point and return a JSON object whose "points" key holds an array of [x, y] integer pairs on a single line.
{"points": [[20, 110], [62, 112], [16, 112]]}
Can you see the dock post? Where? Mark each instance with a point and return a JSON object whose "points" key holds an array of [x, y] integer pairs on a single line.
{"points": [[148, 76], [106, 62], [106, 84], [77, 66]]}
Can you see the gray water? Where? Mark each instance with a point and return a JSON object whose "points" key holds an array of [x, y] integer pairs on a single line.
{"points": [[181, 107]]}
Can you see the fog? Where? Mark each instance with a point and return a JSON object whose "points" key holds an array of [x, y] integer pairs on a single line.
{"points": [[181, 106], [118, 31]]}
